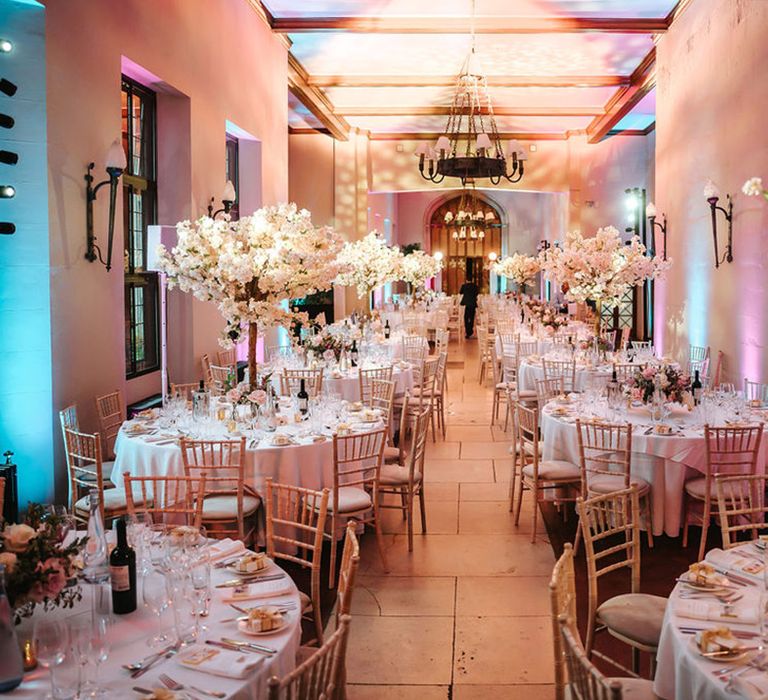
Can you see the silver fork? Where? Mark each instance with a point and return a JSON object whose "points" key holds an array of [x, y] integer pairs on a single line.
{"points": [[171, 684]]}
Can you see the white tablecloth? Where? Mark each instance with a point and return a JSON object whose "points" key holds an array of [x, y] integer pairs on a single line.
{"points": [[530, 372], [129, 634], [681, 674], [664, 461]]}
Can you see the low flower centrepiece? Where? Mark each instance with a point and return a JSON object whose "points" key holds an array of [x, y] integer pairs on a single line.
{"points": [[675, 385]]}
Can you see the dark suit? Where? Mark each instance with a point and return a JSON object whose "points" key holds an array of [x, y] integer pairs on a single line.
{"points": [[469, 293]]}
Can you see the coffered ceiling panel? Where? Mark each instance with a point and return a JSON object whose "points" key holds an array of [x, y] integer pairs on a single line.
{"points": [[436, 124]]}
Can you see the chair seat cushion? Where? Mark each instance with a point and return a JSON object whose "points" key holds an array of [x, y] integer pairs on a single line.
{"points": [[106, 472], [515, 449], [635, 616], [527, 394], [351, 499], [114, 501], [698, 488], [554, 470], [396, 475], [635, 688], [391, 454], [605, 483], [224, 506], [306, 603]]}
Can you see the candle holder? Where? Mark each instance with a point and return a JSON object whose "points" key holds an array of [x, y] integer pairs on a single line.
{"points": [[727, 212]]}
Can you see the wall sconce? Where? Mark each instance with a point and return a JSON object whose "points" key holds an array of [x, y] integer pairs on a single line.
{"points": [[115, 165], [7, 87], [650, 213], [228, 197], [544, 245], [713, 196], [6, 46], [7, 191], [438, 255]]}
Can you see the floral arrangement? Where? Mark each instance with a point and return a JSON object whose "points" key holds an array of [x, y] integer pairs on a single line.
{"points": [[602, 343], [601, 268], [545, 314], [368, 263], [675, 384], [417, 267], [519, 268], [248, 267], [39, 568], [754, 188], [246, 395], [329, 343]]}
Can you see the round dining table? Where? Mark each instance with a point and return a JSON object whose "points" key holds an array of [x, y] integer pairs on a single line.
{"points": [[531, 370], [682, 673], [128, 642], [665, 461]]}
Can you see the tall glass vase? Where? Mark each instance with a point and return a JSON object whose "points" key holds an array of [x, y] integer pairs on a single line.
{"points": [[598, 316]]}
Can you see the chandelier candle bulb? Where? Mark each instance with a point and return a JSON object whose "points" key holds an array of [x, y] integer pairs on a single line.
{"points": [[229, 194], [116, 156], [711, 191], [650, 210]]}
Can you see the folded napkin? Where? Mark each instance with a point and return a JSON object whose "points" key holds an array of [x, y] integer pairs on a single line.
{"points": [[707, 610], [256, 590], [219, 662], [733, 560], [161, 438], [224, 549]]}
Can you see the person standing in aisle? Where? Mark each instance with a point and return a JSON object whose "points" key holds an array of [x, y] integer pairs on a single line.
{"points": [[469, 292]]}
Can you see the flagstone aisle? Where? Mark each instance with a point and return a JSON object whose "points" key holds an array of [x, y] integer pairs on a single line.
{"points": [[466, 614]]}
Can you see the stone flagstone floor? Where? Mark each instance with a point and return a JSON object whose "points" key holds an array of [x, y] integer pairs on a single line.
{"points": [[466, 615]]}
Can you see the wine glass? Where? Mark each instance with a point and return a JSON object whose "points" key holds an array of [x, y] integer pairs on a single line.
{"points": [[157, 598], [90, 636], [138, 531], [51, 640], [200, 578], [158, 535]]}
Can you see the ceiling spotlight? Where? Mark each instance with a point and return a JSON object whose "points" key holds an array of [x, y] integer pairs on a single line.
{"points": [[9, 157], [7, 87], [5, 46], [6, 121], [7, 191], [7, 228]]}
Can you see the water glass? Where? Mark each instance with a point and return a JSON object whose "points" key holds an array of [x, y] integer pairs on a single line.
{"points": [[158, 536], [51, 639], [157, 597], [91, 644]]}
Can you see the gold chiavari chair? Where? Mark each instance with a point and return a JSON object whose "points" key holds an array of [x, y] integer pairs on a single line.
{"points": [[430, 391], [83, 452], [698, 358], [537, 475], [226, 358], [741, 503], [611, 531], [561, 368], [414, 349], [406, 483], [487, 345], [508, 342], [221, 377], [605, 457], [290, 381], [356, 468], [756, 391], [549, 389], [350, 561], [296, 520], [186, 389], [383, 399], [228, 503], [366, 378], [166, 498], [524, 349], [441, 340], [562, 601], [397, 455], [510, 365], [730, 451], [585, 680], [321, 676], [68, 418], [626, 371], [110, 409]]}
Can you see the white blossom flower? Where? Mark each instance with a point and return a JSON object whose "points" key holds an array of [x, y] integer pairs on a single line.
{"points": [[519, 268], [417, 267], [368, 264], [753, 187]]}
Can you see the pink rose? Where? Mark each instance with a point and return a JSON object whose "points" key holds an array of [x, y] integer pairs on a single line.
{"points": [[329, 355], [233, 395], [259, 397], [57, 577], [649, 373]]}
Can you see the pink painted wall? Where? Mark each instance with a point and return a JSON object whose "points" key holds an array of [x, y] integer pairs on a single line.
{"points": [[711, 101], [217, 61]]}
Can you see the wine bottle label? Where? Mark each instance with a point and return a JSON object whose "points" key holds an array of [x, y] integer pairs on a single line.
{"points": [[303, 404], [121, 578]]}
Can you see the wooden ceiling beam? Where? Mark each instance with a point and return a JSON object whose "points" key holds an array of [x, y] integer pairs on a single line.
{"points": [[642, 81], [462, 25], [315, 100], [444, 110], [326, 81]]}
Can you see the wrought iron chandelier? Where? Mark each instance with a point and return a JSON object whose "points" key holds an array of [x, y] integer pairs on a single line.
{"points": [[471, 147], [469, 221]]}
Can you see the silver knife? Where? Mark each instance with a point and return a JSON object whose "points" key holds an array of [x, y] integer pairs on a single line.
{"points": [[249, 645], [167, 655], [232, 647]]}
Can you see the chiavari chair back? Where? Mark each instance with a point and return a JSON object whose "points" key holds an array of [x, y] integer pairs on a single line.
{"points": [[698, 360], [357, 459], [321, 676], [228, 502], [562, 599], [226, 358], [525, 349], [549, 389], [366, 378], [625, 371], [220, 379], [561, 368], [295, 520], [741, 503], [441, 340], [350, 560], [730, 451], [610, 527], [111, 411], [166, 498], [756, 391], [414, 348], [290, 381], [382, 398], [641, 344], [205, 363], [84, 467], [185, 390]]}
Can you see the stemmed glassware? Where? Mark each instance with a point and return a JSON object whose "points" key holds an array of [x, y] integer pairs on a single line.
{"points": [[157, 597], [51, 640], [90, 637]]}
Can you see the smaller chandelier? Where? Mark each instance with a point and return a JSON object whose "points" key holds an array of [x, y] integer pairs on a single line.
{"points": [[470, 221]]}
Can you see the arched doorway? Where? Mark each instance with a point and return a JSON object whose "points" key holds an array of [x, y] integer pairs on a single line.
{"points": [[466, 251]]}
